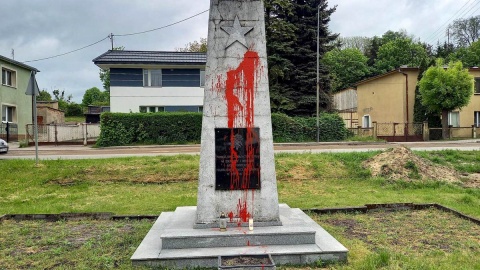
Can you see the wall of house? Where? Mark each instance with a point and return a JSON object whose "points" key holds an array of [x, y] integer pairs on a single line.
{"points": [[345, 100], [466, 114], [47, 115], [384, 98], [129, 99], [15, 96], [180, 90]]}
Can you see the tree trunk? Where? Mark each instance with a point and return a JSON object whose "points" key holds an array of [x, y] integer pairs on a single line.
{"points": [[445, 132]]}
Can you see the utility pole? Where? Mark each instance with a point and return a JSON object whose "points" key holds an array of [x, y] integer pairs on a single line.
{"points": [[13, 54], [318, 67], [111, 39], [448, 36]]}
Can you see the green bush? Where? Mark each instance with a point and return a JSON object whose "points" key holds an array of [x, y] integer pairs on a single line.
{"points": [[185, 127], [73, 109], [149, 128]]}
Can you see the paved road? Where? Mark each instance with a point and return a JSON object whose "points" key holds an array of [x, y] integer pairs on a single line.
{"points": [[84, 152]]}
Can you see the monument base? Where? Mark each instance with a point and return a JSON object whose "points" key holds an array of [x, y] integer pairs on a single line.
{"points": [[173, 242]]}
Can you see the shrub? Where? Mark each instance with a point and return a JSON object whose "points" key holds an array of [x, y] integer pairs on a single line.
{"points": [[149, 128], [185, 127]]}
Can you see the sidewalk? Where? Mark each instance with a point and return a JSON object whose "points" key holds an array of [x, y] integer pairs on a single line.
{"points": [[16, 145]]}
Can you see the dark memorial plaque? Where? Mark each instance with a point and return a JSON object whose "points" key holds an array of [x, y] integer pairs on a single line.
{"points": [[237, 158]]}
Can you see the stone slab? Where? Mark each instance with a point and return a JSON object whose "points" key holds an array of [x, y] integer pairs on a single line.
{"points": [[150, 251]]}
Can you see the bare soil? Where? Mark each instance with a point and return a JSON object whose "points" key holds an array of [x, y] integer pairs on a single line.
{"points": [[245, 260], [401, 163]]}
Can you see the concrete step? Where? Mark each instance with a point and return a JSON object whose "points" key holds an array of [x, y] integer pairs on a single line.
{"points": [[236, 237], [208, 257], [300, 240]]}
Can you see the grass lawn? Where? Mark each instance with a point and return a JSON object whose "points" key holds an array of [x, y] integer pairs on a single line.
{"points": [[76, 119], [150, 185], [427, 239]]}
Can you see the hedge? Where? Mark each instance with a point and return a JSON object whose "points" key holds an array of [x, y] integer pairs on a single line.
{"points": [[184, 127]]}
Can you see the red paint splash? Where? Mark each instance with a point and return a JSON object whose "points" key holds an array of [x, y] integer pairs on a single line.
{"points": [[240, 96]]}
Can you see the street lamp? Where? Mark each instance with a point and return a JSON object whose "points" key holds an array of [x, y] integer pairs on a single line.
{"points": [[318, 66]]}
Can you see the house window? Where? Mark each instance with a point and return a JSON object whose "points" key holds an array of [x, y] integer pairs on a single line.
{"points": [[200, 109], [152, 77], [476, 119], [454, 119], [152, 109], [202, 78], [366, 121], [477, 86], [8, 114], [9, 77]]}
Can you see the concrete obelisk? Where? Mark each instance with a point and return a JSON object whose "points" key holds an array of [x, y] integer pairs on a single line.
{"points": [[237, 168]]}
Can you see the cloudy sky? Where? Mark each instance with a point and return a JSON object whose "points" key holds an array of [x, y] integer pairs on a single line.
{"points": [[40, 29]]}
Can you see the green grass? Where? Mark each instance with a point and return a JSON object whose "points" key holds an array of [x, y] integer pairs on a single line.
{"points": [[150, 185], [424, 239], [427, 239], [76, 119], [70, 244]]}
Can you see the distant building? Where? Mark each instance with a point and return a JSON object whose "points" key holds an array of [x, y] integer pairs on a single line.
{"points": [[153, 81], [15, 106], [390, 98], [48, 113], [345, 103], [93, 113]]}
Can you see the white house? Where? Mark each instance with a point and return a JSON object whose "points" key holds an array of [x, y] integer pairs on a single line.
{"points": [[152, 81]]}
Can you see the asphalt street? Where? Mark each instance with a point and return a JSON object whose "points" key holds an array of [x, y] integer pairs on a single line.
{"points": [[88, 152]]}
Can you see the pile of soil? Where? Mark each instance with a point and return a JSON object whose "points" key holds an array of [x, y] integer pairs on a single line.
{"points": [[401, 163]]}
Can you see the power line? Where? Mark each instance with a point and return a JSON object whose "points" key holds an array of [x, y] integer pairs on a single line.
{"points": [[168, 25], [462, 13], [76, 50], [111, 35], [439, 29]]}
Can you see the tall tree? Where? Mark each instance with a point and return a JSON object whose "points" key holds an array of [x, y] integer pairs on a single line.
{"points": [[95, 96], [446, 89], [304, 57], [465, 31], [444, 50], [470, 56], [280, 34], [398, 52], [44, 95], [355, 42], [346, 67], [194, 46], [377, 42]]}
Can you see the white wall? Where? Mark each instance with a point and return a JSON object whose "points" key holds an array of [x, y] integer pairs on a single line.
{"points": [[129, 99]]}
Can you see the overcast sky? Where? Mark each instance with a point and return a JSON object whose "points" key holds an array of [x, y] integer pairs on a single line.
{"points": [[40, 29]]}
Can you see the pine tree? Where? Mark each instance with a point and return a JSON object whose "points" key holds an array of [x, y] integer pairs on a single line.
{"points": [[294, 55]]}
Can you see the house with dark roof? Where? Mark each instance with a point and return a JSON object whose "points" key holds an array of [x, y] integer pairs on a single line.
{"points": [[154, 81], [15, 106], [389, 99]]}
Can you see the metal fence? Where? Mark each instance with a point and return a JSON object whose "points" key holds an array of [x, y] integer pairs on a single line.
{"points": [[80, 133], [399, 132], [9, 131], [362, 132], [454, 132]]}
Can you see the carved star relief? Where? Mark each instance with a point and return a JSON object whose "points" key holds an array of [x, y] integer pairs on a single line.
{"points": [[237, 33]]}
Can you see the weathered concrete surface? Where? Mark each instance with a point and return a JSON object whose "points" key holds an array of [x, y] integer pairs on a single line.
{"points": [[172, 242], [236, 37]]}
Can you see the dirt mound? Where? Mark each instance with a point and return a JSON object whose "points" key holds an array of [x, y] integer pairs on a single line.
{"points": [[402, 163]]}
